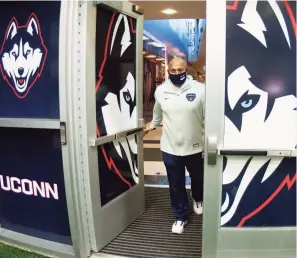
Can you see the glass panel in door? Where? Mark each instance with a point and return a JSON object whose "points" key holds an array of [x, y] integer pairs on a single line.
{"points": [[116, 107], [260, 113]]}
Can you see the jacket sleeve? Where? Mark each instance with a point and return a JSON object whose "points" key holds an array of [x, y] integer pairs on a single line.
{"points": [[157, 113], [202, 110], [202, 104]]}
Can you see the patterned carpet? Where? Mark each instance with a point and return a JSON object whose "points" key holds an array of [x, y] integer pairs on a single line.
{"points": [[150, 235]]}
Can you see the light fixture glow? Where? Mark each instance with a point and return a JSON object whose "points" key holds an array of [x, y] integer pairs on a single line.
{"points": [[169, 11], [155, 44], [150, 56]]}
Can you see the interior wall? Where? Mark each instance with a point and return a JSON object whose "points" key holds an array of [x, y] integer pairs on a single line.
{"points": [[154, 169], [185, 10]]}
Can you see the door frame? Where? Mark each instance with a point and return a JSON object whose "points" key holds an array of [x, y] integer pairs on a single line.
{"points": [[86, 43], [214, 123], [222, 241], [79, 247]]}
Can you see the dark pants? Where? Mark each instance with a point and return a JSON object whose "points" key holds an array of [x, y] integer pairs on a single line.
{"points": [[175, 166]]}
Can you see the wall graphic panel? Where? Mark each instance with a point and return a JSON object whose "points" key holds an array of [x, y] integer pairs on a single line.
{"points": [[29, 59], [32, 191], [260, 113], [116, 108]]}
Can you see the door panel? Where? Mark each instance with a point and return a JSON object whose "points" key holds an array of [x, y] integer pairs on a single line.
{"points": [[260, 113], [260, 101], [40, 70], [115, 65], [250, 194], [258, 191], [116, 111], [33, 177], [116, 101], [118, 167], [32, 184]]}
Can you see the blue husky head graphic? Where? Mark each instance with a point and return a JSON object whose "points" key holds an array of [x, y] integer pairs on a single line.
{"points": [[116, 99], [22, 55], [260, 108]]}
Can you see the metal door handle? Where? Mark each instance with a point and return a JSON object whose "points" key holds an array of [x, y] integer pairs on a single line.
{"points": [[127, 133], [213, 151], [212, 148], [249, 152], [114, 137]]}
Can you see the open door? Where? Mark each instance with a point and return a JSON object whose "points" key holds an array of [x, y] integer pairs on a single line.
{"points": [[251, 125], [114, 117]]}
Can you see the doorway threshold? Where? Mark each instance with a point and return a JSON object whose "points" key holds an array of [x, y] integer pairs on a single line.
{"points": [[101, 255], [150, 235]]}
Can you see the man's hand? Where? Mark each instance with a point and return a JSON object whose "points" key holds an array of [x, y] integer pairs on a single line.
{"points": [[147, 129]]}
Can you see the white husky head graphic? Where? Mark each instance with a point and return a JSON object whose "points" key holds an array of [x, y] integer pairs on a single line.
{"points": [[118, 90], [260, 96], [22, 55]]}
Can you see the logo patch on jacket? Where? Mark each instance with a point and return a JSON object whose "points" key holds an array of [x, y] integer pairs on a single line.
{"points": [[191, 96], [196, 145]]}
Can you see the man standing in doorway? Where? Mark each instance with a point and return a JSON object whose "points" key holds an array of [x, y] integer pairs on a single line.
{"points": [[180, 105]]}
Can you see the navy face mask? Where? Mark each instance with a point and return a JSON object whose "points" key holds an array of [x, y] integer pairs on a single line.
{"points": [[178, 79]]}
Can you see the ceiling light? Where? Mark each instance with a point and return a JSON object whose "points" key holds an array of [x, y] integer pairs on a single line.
{"points": [[169, 11], [150, 56], [155, 44]]}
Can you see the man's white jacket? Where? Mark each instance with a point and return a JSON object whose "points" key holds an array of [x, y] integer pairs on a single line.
{"points": [[182, 111]]}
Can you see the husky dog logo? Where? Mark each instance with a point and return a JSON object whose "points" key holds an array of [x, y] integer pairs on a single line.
{"points": [[22, 55], [116, 99], [260, 110]]}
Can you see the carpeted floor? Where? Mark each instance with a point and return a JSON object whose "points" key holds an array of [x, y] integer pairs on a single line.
{"points": [[150, 235]]}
